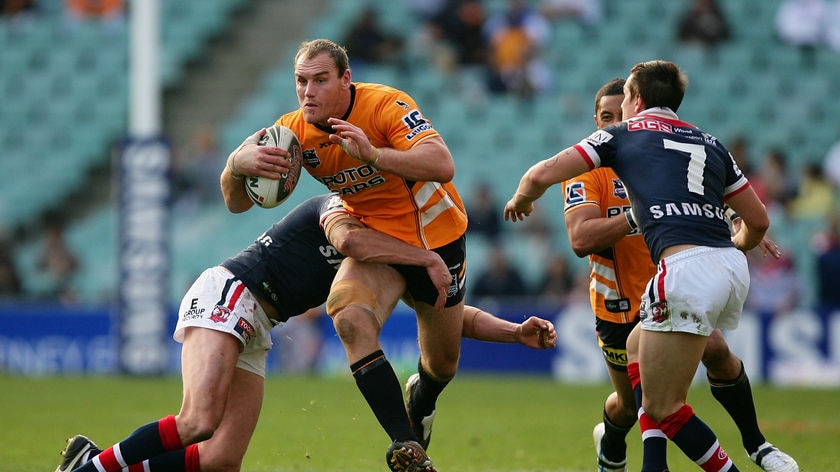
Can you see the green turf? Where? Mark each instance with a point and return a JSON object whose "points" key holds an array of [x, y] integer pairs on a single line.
{"points": [[485, 423]]}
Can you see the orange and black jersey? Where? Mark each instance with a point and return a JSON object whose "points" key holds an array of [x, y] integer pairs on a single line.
{"points": [[620, 273], [424, 214]]}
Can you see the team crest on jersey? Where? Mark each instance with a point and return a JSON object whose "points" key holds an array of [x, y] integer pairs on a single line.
{"points": [[220, 314], [618, 189], [310, 158], [575, 193]]}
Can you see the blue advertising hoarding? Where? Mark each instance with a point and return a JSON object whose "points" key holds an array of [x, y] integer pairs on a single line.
{"points": [[800, 348]]}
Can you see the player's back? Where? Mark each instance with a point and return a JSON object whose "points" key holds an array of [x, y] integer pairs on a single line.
{"points": [[291, 265]]}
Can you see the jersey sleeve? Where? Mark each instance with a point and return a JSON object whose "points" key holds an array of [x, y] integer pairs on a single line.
{"points": [[331, 207], [581, 191], [736, 181], [406, 124]]}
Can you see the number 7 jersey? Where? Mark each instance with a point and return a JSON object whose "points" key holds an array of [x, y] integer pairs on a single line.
{"points": [[676, 175]]}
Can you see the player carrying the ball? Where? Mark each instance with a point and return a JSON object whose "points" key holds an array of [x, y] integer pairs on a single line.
{"points": [[371, 145]]}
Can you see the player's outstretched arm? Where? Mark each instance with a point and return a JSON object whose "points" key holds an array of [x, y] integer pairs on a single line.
{"points": [[353, 239], [542, 175], [534, 332]]}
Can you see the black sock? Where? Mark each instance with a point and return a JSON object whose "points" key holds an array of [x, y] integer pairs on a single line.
{"points": [[613, 444], [426, 392], [380, 386], [736, 397]]}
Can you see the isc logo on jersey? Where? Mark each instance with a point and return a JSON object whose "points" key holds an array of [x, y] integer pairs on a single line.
{"points": [[575, 193]]}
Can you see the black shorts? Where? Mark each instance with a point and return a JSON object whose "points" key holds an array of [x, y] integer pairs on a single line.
{"points": [[420, 287], [612, 339]]}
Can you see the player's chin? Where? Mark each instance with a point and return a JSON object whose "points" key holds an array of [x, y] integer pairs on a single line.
{"points": [[313, 116]]}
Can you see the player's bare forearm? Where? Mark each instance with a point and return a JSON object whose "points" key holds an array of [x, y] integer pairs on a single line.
{"points": [[233, 191], [542, 175], [353, 239], [534, 332]]}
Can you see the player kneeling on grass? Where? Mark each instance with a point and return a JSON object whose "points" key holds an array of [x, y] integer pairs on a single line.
{"points": [[224, 324]]}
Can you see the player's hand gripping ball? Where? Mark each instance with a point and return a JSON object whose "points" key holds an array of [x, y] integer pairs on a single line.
{"points": [[268, 193]]}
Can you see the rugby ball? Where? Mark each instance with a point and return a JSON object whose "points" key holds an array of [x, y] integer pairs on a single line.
{"points": [[268, 193]]}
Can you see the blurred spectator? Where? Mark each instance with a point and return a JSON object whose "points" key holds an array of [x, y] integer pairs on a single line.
{"points": [[557, 281], [815, 198], [515, 38], [499, 279], [110, 13], [775, 285], [485, 213], [368, 43], [461, 24], [57, 262], [10, 283], [704, 23], [799, 23], [775, 178], [827, 254], [586, 12], [16, 11], [196, 171], [428, 47], [831, 163]]}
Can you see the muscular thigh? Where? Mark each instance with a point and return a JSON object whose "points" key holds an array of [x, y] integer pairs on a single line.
{"points": [[208, 362], [384, 281]]}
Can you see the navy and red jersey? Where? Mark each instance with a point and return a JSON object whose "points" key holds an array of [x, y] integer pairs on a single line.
{"points": [[271, 266], [677, 177]]}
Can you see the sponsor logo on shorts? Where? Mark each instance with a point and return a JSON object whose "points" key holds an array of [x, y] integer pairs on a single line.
{"points": [[615, 356], [194, 311], [220, 314], [245, 329]]}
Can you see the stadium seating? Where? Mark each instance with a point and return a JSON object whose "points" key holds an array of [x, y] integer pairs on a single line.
{"points": [[752, 86]]}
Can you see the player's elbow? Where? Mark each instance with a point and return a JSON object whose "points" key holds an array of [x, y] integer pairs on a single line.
{"points": [[579, 248], [348, 243]]}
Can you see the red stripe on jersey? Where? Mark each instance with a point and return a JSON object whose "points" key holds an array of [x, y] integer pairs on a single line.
{"points": [[240, 287], [585, 156], [736, 191]]}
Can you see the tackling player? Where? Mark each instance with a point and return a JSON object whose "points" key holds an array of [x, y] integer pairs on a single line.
{"points": [[224, 323], [600, 225], [680, 179], [371, 144]]}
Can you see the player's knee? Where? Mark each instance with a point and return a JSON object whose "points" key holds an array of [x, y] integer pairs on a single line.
{"points": [[346, 293], [717, 353], [196, 428], [351, 306], [220, 459]]}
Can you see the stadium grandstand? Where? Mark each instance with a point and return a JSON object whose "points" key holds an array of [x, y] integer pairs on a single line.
{"points": [[229, 63]]}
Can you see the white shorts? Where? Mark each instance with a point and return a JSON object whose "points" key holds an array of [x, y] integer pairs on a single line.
{"points": [[219, 301], [696, 291]]}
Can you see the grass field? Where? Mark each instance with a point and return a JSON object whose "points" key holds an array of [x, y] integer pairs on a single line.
{"points": [[485, 423]]}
